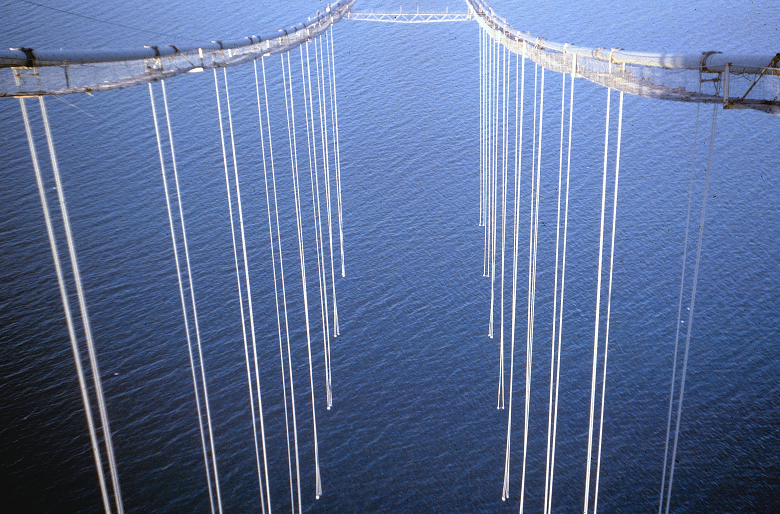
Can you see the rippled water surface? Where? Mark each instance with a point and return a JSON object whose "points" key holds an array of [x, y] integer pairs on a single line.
{"points": [[414, 425]]}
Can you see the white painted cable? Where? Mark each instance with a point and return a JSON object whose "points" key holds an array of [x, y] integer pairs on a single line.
{"points": [[276, 289], [555, 298], [548, 505], [519, 101], [101, 401], [598, 312], [183, 302], [316, 212], [702, 219], [66, 307], [609, 304], [284, 290], [481, 124], [494, 191], [331, 75], [248, 291], [294, 164], [194, 305], [338, 155], [505, 143], [240, 292], [487, 142], [679, 305], [532, 271], [326, 166]]}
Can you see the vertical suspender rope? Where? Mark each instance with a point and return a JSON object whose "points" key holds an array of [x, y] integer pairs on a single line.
{"points": [[326, 167], [284, 290], [504, 192], [486, 106], [319, 62], [702, 219], [493, 174], [315, 192], [192, 300], [338, 154], [290, 110], [494, 191], [555, 297], [548, 504], [679, 302], [240, 294], [519, 100], [485, 145], [598, 309], [494, 188], [183, 302], [505, 144], [532, 278], [536, 208], [331, 76], [481, 123], [276, 290], [609, 303], [263, 497], [83, 309], [528, 340], [248, 293], [487, 130], [488, 134], [66, 307]]}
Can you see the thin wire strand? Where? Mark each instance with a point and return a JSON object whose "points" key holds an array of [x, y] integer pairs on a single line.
{"points": [[276, 289], [192, 300], [702, 219], [183, 302], [326, 167], [519, 101], [505, 143], [290, 109], [316, 212], [598, 308], [488, 154], [66, 307], [331, 75], [609, 304], [240, 293], [248, 292], [338, 154], [548, 505], [481, 123], [494, 191], [533, 239], [284, 290], [555, 298], [101, 401], [679, 304]]}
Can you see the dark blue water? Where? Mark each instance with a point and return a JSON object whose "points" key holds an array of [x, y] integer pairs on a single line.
{"points": [[414, 426]]}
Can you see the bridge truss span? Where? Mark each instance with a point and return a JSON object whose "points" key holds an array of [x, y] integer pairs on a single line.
{"points": [[736, 81], [409, 17]]}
